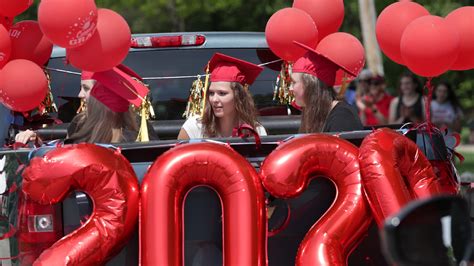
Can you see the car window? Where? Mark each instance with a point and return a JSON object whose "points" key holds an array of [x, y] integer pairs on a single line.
{"points": [[169, 95]]}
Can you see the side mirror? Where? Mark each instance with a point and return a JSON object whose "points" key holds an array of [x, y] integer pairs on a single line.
{"points": [[434, 231]]}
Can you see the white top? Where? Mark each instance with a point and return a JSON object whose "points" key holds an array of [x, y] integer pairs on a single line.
{"points": [[193, 128], [444, 113]]}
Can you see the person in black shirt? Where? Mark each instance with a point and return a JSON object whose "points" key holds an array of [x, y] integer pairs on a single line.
{"points": [[312, 80], [408, 107]]}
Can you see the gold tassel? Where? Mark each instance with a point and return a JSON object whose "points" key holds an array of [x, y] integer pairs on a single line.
{"points": [[197, 96], [48, 105], [82, 107], [145, 114], [282, 92], [151, 111], [344, 85], [206, 85]]}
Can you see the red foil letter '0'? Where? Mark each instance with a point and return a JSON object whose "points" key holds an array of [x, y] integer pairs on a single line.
{"points": [[236, 182], [394, 172], [287, 171], [108, 178]]}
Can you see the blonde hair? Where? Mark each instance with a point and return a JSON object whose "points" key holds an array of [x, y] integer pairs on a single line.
{"points": [[99, 124], [244, 107]]}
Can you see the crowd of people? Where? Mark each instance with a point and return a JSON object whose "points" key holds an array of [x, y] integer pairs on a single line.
{"points": [[377, 107], [228, 103]]}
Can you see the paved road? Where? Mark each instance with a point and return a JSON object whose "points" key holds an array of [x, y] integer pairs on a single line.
{"points": [[465, 148]]}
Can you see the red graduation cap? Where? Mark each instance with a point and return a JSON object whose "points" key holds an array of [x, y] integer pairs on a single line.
{"points": [[85, 75], [230, 69], [318, 65], [117, 88]]}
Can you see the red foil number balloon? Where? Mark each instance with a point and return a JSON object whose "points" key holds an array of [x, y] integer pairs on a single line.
{"points": [[108, 178], [394, 172], [287, 171], [236, 182]]}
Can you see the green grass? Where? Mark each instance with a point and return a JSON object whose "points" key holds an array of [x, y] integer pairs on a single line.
{"points": [[468, 164]]}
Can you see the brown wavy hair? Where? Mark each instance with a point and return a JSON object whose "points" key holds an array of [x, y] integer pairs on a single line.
{"points": [[244, 107], [318, 102], [99, 124]]}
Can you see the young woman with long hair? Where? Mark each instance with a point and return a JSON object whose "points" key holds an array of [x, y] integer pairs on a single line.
{"points": [[108, 117], [100, 124], [229, 103], [445, 108], [312, 80], [409, 106]]}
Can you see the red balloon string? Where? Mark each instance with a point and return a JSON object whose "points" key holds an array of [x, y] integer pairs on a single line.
{"points": [[239, 132], [427, 126], [429, 98]]}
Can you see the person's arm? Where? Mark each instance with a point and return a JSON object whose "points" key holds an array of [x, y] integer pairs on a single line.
{"points": [[183, 135], [381, 119], [191, 129], [361, 108], [27, 136]]}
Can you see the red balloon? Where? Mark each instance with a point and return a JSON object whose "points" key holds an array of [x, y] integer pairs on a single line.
{"points": [[5, 46], [236, 182], [11, 8], [28, 42], [327, 14], [23, 85], [429, 46], [6, 22], [391, 24], [286, 173], [105, 176], [394, 172], [462, 19], [107, 48], [347, 51], [288, 25], [68, 23]]}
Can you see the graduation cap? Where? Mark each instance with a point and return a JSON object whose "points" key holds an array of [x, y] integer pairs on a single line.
{"points": [[318, 65], [119, 87], [222, 68], [230, 69]]}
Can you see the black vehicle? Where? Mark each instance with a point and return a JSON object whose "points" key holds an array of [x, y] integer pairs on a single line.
{"points": [[434, 231], [169, 63]]}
